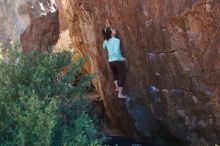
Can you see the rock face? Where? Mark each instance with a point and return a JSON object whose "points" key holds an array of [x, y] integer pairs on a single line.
{"points": [[43, 30], [173, 45], [34, 22], [13, 20], [64, 42]]}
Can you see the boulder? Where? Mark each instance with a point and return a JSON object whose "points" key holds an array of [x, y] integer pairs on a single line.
{"points": [[43, 30], [172, 45]]}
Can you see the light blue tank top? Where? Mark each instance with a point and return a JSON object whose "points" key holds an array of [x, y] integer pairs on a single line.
{"points": [[114, 51]]}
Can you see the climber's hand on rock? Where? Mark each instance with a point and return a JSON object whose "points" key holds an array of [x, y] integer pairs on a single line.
{"points": [[106, 21], [124, 59], [107, 24]]}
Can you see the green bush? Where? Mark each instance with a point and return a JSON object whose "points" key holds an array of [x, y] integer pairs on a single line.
{"points": [[41, 105]]}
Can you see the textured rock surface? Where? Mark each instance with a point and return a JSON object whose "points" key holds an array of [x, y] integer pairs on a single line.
{"points": [[174, 45], [64, 42], [43, 30], [13, 20], [34, 22]]}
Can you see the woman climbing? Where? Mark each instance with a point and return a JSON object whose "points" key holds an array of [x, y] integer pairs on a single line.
{"points": [[115, 58]]}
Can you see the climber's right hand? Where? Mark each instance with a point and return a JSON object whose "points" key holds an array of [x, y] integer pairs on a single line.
{"points": [[125, 60], [107, 24]]}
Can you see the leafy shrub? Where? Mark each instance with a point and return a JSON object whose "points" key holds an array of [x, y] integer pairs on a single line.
{"points": [[41, 101]]}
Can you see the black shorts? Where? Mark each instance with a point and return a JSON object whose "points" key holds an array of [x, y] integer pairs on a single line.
{"points": [[118, 71]]}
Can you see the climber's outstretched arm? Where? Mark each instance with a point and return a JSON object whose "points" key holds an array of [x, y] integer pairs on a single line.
{"points": [[106, 26]]}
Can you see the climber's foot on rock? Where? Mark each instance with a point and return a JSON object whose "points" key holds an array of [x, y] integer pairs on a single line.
{"points": [[116, 90], [122, 96]]}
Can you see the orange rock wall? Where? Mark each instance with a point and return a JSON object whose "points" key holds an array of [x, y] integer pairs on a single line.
{"points": [[173, 45]]}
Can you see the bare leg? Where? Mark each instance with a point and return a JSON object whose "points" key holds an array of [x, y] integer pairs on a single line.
{"points": [[120, 95], [116, 85]]}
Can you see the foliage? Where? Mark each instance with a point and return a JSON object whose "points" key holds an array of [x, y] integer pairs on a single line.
{"points": [[41, 101]]}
